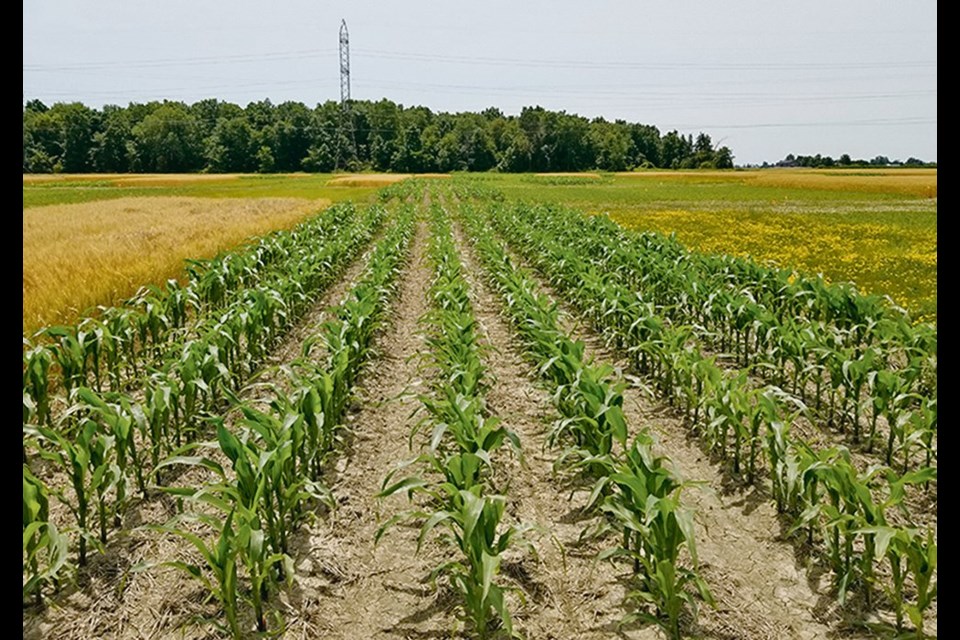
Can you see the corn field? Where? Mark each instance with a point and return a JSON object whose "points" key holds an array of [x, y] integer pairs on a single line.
{"points": [[452, 414]]}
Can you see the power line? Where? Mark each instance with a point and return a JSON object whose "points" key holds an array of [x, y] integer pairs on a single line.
{"points": [[584, 64], [648, 93], [647, 96], [167, 62], [886, 122], [486, 60], [168, 91]]}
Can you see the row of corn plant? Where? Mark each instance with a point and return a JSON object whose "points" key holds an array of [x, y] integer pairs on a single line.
{"points": [[408, 190], [105, 442], [231, 344], [115, 346], [456, 483], [276, 456], [719, 405], [828, 357], [194, 373], [910, 417], [822, 491], [782, 291], [636, 489], [859, 517], [732, 304]]}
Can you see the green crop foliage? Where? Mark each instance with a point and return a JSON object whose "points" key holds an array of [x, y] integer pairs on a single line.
{"points": [[882, 238], [276, 456], [218, 574], [235, 304], [44, 547], [667, 307], [88, 457], [645, 505], [473, 524], [196, 344], [738, 349], [645, 292]]}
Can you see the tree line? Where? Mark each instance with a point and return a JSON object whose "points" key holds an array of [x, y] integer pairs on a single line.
{"points": [[826, 162], [216, 136]]}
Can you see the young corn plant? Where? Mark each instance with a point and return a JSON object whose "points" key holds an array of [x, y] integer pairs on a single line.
{"points": [[319, 397], [69, 354], [218, 574], [36, 379], [471, 522], [635, 488], [264, 494], [463, 441], [463, 419], [295, 265], [791, 330], [645, 505], [727, 301], [910, 554], [280, 435], [118, 415], [88, 457], [44, 547], [247, 500]]}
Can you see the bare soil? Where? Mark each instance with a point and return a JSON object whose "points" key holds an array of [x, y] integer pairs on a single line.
{"points": [[568, 593], [346, 587]]}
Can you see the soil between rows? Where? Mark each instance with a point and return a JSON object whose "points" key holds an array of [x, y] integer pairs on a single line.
{"points": [[345, 586], [569, 594]]}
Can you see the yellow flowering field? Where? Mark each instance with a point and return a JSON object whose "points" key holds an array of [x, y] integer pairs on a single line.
{"points": [[874, 227], [898, 259]]}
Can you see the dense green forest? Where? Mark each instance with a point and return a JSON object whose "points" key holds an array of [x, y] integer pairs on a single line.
{"points": [[217, 136]]}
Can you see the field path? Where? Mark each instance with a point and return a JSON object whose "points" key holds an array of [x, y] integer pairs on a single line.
{"points": [[568, 594], [346, 587]]}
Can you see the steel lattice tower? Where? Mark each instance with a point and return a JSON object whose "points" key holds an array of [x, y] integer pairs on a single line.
{"points": [[344, 64], [346, 136]]}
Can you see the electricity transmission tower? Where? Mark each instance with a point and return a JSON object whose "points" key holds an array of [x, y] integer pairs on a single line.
{"points": [[346, 136]]}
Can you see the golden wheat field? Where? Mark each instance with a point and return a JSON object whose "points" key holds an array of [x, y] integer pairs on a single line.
{"points": [[76, 256], [126, 179], [368, 180], [378, 179]]}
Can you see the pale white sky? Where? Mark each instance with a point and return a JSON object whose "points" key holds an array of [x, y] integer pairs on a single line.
{"points": [[765, 78]]}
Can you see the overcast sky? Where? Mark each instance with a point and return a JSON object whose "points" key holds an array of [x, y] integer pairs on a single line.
{"points": [[765, 78]]}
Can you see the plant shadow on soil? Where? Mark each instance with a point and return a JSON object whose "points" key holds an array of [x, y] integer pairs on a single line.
{"points": [[812, 562], [809, 560]]}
